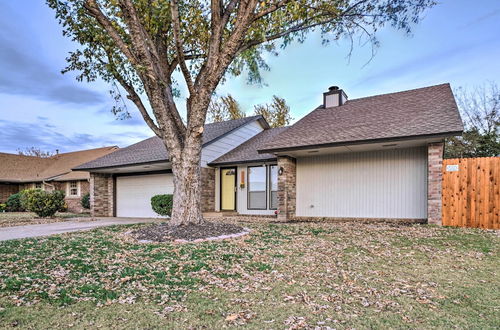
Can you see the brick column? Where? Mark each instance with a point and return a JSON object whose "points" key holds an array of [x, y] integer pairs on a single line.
{"points": [[434, 182], [207, 189], [286, 188], [102, 195]]}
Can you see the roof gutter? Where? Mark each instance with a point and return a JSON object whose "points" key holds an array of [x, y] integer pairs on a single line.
{"points": [[357, 142], [273, 159], [91, 169]]}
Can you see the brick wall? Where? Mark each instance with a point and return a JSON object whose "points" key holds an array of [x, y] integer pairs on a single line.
{"points": [[207, 189], [434, 182], [101, 195], [287, 188], [6, 190]]}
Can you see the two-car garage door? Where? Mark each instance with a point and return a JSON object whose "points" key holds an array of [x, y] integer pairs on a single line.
{"points": [[133, 193], [374, 184]]}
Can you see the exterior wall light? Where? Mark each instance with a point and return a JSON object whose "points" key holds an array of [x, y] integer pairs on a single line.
{"points": [[281, 170]]}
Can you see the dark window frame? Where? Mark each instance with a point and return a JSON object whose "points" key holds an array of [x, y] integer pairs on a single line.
{"points": [[270, 186], [248, 188]]}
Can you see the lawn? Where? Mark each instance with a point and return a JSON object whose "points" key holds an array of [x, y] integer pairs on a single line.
{"points": [[9, 219], [338, 275]]}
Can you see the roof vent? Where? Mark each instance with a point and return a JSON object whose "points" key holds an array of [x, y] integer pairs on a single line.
{"points": [[334, 97]]}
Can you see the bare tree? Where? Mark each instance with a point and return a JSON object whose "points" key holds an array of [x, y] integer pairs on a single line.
{"points": [[480, 110], [140, 44], [35, 152]]}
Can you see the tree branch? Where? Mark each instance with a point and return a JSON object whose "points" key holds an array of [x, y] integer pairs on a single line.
{"points": [[94, 11], [176, 23], [132, 95], [270, 9]]}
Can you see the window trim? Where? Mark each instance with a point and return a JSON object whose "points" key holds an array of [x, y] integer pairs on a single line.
{"points": [[270, 186], [248, 188], [68, 189]]}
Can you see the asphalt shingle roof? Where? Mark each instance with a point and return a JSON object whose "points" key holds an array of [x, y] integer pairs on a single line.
{"points": [[247, 151], [153, 149], [19, 168], [419, 112]]}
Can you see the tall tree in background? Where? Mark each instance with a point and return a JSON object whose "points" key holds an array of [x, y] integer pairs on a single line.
{"points": [[224, 108], [277, 113], [480, 110], [140, 44]]}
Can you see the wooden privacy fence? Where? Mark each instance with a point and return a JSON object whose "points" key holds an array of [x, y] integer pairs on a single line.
{"points": [[471, 192]]}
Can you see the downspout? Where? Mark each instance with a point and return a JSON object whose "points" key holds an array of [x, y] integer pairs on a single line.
{"points": [[48, 184]]}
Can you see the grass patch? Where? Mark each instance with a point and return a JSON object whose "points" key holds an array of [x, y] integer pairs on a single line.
{"points": [[340, 275]]}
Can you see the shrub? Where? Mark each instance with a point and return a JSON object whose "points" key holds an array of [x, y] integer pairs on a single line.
{"points": [[3, 207], [85, 201], [14, 204], [44, 204], [162, 204], [64, 207]]}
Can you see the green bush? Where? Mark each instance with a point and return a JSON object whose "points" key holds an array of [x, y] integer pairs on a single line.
{"points": [[43, 203], [3, 207], [162, 204], [14, 204], [85, 201]]}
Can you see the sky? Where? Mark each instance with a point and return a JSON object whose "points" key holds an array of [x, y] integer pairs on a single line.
{"points": [[456, 42]]}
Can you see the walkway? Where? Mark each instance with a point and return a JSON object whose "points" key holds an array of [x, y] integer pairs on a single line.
{"points": [[54, 228]]}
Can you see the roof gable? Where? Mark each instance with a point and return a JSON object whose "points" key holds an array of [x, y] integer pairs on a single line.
{"points": [[247, 151], [419, 112], [153, 150]]}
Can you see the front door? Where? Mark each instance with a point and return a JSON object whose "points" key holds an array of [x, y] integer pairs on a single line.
{"points": [[228, 189]]}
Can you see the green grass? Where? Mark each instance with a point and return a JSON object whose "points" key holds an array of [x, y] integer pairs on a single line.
{"points": [[341, 275]]}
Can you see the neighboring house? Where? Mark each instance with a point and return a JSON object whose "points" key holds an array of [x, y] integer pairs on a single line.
{"points": [[374, 157], [18, 172]]}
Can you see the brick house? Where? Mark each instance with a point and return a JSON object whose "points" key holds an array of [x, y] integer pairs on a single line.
{"points": [[373, 157], [18, 172]]}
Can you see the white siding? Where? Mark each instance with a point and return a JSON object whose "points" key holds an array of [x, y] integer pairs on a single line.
{"points": [[229, 142], [377, 184]]}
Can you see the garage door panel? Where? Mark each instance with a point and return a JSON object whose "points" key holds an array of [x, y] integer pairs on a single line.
{"points": [[133, 193], [378, 184]]}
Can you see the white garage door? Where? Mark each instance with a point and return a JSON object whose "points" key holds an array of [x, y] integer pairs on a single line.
{"points": [[133, 193], [378, 184]]}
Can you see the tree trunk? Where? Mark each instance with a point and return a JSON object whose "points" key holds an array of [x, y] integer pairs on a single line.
{"points": [[186, 169], [187, 193]]}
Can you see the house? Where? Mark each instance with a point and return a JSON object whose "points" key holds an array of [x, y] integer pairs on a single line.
{"points": [[18, 172], [373, 157]]}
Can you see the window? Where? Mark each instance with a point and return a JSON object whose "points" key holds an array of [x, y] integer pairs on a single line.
{"points": [[73, 189], [257, 187], [38, 185], [273, 187]]}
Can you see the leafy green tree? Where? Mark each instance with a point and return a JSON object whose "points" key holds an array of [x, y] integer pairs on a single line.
{"points": [[140, 44], [277, 113], [224, 108], [480, 110]]}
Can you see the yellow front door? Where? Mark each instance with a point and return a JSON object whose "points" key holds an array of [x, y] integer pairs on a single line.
{"points": [[228, 189]]}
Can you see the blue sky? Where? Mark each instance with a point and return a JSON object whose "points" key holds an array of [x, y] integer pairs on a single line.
{"points": [[456, 42]]}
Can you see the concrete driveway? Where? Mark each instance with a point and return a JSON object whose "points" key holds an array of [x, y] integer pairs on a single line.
{"points": [[48, 229]]}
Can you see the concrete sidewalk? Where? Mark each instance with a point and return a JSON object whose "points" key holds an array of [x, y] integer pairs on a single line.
{"points": [[47, 229]]}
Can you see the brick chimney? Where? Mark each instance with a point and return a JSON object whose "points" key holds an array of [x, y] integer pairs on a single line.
{"points": [[334, 97]]}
